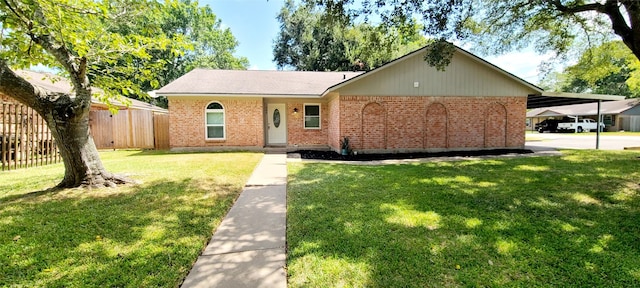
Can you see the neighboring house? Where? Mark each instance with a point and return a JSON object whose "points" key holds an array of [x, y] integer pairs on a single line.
{"points": [[623, 115], [405, 105]]}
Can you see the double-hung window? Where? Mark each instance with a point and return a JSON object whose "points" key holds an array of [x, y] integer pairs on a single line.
{"points": [[215, 121], [311, 116]]}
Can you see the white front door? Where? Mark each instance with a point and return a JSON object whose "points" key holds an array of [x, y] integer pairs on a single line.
{"points": [[277, 124]]}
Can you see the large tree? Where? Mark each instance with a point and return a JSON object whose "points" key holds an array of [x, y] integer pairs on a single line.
{"points": [[75, 36], [205, 44], [609, 68], [499, 26], [306, 42], [210, 45]]}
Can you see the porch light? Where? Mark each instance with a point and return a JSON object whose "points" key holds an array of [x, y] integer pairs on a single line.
{"points": [[295, 110]]}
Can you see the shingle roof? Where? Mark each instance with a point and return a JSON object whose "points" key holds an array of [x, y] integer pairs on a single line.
{"points": [[211, 82], [48, 81], [610, 107], [254, 82], [59, 84]]}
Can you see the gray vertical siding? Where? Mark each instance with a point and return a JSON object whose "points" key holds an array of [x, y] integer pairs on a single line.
{"points": [[465, 76]]}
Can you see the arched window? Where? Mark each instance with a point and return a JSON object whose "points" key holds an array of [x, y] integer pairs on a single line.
{"points": [[215, 121]]}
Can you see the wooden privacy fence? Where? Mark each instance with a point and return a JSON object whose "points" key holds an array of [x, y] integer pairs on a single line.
{"points": [[25, 139], [161, 130], [129, 129]]}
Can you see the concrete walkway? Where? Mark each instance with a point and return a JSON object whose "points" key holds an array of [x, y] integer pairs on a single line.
{"points": [[248, 248]]}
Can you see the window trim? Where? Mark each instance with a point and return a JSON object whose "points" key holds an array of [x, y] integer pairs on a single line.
{"points": [[223, 125], [612, 120], [304, 118]]}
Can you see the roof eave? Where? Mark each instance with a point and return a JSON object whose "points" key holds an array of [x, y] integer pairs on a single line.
{"points": [[260, 95], [122, 106], [603, 97]]}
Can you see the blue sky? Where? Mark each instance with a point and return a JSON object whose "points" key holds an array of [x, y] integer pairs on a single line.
{"points": [[254, 24]]}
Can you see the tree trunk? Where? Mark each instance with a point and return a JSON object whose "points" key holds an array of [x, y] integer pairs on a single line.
{"points": [[68, 120], [82, 163]]}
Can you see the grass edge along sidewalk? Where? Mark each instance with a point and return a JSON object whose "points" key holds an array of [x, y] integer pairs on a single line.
{"points": [[540, 221], [142, 235]]}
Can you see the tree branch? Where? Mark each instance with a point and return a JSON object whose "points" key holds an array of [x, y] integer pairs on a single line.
{"points": [[611, 8], [18, 88], [20, 15], [577, 8], [618, 23], [77, 72]]}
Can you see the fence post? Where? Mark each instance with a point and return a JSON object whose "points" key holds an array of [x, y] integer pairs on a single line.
{"points": [[22, 138], [15, 139], [29, 136], [25, 138], [4, 147]]}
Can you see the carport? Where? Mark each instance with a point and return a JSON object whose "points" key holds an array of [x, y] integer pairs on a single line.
{"points": [[548, 99]]}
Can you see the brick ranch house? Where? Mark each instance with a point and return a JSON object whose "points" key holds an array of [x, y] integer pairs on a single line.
{"points": [[402, 106]]}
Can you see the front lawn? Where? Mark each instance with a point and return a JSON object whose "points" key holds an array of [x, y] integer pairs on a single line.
{"points": [[143, 235], [570, 221]]}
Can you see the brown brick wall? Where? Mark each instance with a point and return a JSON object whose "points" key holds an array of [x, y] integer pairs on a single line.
{"points": [[405, 123], [414, 123], [374, 130], [495, 125], [334, 122], [297, 135], [243, 123], [516, 115], [436, 126], [376, 123]]}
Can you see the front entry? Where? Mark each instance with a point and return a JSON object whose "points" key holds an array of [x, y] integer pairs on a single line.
{"points": [[276, 124]]}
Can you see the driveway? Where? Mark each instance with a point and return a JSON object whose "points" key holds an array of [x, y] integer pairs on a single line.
{"points": [[580, 141]]}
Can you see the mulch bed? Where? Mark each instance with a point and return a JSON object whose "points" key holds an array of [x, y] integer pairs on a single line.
{"points": [[330, 155]]}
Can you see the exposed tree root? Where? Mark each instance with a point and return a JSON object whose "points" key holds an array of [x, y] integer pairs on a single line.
{"points": [[97, 181]]}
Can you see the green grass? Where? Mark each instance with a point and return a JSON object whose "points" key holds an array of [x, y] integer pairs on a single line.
{"points": [[143, 235], [570, 221]]}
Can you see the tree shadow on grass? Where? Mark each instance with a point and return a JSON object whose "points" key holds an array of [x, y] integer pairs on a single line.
{"points": [[548, 221], [146, 235], [14, 197]]}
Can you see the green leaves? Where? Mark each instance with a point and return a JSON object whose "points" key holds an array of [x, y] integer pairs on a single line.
{"points": [[310, 39], [70, 34], [439, 54], [498, 26], [606, 69], [193, 38], [128, 46]]}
